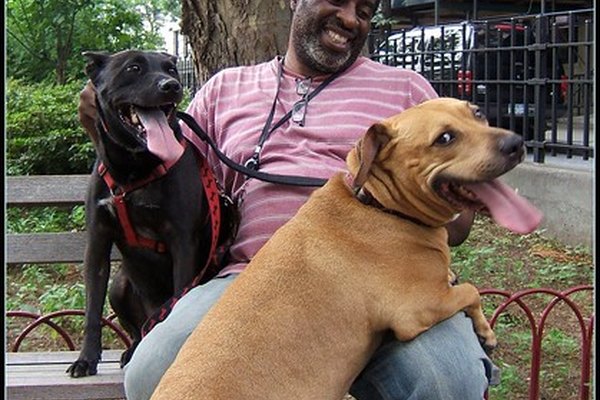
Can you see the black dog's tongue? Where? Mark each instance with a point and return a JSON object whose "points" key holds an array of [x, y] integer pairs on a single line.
{"points": [[160, 136]]}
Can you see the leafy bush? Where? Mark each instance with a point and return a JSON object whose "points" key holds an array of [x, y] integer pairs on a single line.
{"points": [[43, 134]]}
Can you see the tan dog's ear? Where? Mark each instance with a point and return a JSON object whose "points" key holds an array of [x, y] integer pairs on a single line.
{"points": [[375, 138]]}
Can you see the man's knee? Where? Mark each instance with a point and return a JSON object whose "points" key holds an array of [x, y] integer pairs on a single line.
{"points": [[446, 362], [157, 351]]}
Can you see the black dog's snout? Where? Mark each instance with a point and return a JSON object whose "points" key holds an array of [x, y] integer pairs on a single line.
{"points": [[169, 85], [512, 146]]}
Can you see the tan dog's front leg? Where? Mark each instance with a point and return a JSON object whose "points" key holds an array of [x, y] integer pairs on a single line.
{"points": [[466, 297], [452, 278]]}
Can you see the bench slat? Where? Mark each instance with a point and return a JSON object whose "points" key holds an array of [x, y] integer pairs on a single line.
{"points": [[40, 190], [54, 357], [63, 247], [42, 376]]}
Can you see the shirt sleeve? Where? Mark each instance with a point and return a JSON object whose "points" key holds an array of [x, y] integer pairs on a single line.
{"points": [[420, 89], [199, 109]]}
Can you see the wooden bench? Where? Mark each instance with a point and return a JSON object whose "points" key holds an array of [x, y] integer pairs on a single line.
{"points": [[42, 375]]}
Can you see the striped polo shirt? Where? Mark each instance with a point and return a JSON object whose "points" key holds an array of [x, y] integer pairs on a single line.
{"points": [[233, 106]]}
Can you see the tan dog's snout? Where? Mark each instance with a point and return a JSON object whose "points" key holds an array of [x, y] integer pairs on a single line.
{"points": [[513, 147]]}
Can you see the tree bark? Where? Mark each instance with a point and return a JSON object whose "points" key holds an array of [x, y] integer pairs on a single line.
{"points": [[228, 33]]}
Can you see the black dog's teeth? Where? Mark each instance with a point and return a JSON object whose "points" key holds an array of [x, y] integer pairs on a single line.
{"points": [[130, 117], [135, 120]]}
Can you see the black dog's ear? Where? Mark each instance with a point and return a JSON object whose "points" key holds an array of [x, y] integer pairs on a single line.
{"points": [[96, 61], [375, 138], [171, 56]]}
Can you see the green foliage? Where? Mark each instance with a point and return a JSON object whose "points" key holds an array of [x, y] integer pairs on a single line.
{"points": [[44, 219], [42, 289], [43, 134], [45, 38]]}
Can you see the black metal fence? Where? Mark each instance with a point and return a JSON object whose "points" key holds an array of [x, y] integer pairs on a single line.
{"points": [[532, 74]]}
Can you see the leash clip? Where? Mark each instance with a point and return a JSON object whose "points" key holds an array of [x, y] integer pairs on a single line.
{"points": [[252, 163]]}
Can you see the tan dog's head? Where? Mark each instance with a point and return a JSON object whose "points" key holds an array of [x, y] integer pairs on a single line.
{"points": [[438, 158]]}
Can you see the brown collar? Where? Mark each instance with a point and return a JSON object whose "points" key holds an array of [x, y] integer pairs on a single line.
{"points": [[365, 197]]}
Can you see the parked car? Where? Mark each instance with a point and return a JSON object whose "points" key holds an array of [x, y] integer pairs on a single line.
{"points": [[490, 64]]}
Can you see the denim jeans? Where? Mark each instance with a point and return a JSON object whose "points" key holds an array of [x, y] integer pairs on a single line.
{"points": [[444, 363]]}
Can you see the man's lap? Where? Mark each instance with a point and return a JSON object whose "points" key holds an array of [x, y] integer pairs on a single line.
{"points": [[446, 355]]}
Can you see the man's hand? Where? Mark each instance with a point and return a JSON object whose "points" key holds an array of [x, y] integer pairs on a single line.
{"points": [[86, 111], [459, 229]]}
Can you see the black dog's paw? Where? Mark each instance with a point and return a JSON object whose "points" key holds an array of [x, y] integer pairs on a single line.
{"points": [[83, 368], [125, 357], [127, 354]]}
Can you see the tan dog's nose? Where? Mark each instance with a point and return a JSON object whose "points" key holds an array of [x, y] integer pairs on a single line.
{"points": [[512, 146]]}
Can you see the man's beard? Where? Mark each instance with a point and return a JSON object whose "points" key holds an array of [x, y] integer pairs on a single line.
{"points": [[310, 50]]}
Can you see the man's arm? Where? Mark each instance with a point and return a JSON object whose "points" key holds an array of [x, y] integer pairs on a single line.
{"points": [[459, 229], [86, 111]]}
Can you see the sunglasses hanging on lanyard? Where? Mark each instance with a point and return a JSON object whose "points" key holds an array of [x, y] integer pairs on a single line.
{"points": [[297, 113]]}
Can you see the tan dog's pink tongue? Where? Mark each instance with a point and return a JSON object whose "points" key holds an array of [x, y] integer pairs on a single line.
{"points": [[160, 136], [507, 208]]}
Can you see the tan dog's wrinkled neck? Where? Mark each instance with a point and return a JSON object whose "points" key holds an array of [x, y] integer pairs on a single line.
{"points": [[366, 162]]}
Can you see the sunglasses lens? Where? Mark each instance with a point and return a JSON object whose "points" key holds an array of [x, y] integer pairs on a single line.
{"points": [[302, 86], [298, 112]]}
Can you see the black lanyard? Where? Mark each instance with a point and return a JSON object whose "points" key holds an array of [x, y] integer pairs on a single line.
{"points": [[292, 180], [254, 161]]}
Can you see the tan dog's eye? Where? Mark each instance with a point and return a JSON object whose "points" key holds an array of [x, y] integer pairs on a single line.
{"points": [[478, 114], [445, 139]]}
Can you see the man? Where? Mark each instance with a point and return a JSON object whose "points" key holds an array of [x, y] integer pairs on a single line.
{"points": [[242, 109]]}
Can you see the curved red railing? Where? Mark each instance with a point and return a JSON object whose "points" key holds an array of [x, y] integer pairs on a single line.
{"points": [[39, 319], [537, 330], [536, 325]]}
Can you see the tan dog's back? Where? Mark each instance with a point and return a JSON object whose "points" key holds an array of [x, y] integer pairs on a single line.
{"points": [[297, 320]]}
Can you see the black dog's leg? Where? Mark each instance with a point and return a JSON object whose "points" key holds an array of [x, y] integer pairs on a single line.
{"points": [[129, 307], [97, 270]]}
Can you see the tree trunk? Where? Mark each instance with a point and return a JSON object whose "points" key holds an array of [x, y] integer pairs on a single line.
{"points": [[234, 32]]}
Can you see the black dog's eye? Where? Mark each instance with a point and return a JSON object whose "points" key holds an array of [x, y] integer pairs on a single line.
{"points": [[133, 68], [173, 71], [445, 139]]}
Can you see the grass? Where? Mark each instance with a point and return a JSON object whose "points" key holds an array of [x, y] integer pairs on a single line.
{"points": [[494, 258], [490, 258]]}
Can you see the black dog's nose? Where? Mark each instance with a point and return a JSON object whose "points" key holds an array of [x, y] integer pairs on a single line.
{"points": [[169, 85], [512, 145]]}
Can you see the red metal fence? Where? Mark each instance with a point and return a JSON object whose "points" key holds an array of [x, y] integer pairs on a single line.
{"points": [[537, 324]]}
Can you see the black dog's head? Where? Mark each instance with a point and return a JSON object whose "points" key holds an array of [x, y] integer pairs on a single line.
{"points": [[137, 93]]}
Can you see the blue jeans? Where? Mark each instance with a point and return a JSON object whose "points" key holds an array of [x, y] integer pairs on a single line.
{"points": [[444, 363]]}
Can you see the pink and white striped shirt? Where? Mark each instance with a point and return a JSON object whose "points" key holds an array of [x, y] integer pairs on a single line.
{"points": [[233, 106]]}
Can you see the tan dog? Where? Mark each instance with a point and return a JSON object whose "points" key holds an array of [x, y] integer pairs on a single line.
{"points": [[358, 259]]}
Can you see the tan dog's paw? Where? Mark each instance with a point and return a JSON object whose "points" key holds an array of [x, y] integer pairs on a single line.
{"points": [[488, 340], [452, 278]]}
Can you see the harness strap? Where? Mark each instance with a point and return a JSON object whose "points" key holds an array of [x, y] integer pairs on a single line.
{"points": [[119, 192], [212, 194]]}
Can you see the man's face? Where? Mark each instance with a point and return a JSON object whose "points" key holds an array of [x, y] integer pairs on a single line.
{"points": [[328, 35]]}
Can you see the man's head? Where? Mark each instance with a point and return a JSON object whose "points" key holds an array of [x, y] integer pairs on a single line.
{"points": [[328, 35]]}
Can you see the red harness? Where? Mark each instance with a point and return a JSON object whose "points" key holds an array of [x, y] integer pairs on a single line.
{"points": [[118, 193]]}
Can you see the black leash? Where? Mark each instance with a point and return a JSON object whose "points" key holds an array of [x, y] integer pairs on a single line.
{"points": [[292, 180]]}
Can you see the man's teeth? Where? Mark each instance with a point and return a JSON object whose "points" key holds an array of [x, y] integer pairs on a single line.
{"points": [[337, 38]]}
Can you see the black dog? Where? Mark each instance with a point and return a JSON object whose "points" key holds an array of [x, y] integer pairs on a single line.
{"points": [[145, 195]]}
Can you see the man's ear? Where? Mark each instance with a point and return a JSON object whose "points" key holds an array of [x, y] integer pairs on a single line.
{"points": [[96, 61], [368, 148]]}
